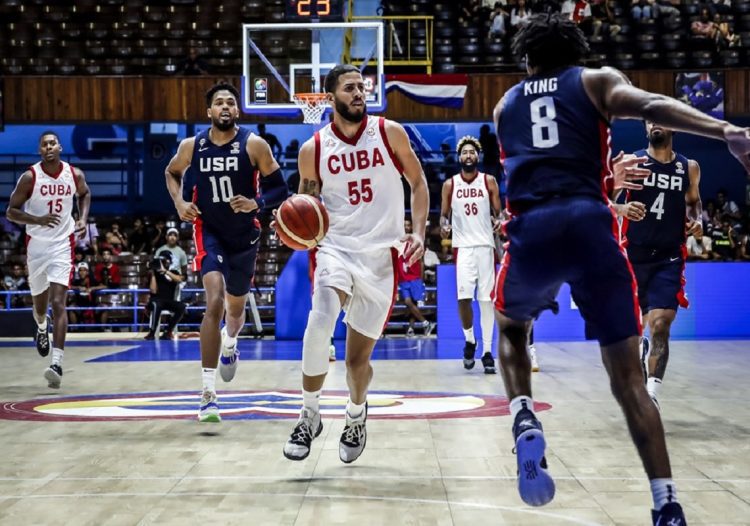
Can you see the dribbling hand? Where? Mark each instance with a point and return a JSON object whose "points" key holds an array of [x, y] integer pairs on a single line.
{"points": [[414, 250], [50, 220], [187, 211], [625, 170]]}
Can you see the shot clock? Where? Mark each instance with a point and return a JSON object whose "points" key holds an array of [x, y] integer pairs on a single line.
{"points": [[320, 10]]}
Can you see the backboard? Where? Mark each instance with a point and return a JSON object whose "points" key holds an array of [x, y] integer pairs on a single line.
{"points": [[280, 60]]}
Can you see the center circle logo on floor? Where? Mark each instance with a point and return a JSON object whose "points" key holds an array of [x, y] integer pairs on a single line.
{"points": [[254, 405]]}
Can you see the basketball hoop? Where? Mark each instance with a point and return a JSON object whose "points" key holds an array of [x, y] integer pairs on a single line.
{"points": [[312, 105]]}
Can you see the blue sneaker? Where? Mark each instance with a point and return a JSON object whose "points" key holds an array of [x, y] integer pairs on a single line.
{"points": [[535, 485], [229, 359], [669, 515]]}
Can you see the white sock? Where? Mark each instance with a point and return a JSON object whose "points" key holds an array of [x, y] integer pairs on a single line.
{"points": [[209, 379], [57, 356], [311, 400], [42, 325], [355, 410], [521, 402], [469, 335], [487, 322], [663, 491], [652, 386]]}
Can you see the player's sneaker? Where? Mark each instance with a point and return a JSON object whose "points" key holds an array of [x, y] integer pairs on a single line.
{"points": [[535, 485], [41, 338], [332, 353], [308, 427], [428, 328], [354, 437], [410, 332], [489, 363], [229, 359], [669, 515], [166, 335], [533, 358], [655, 401], [645, 349], [209, 409], [53, 375], [469, 350]]}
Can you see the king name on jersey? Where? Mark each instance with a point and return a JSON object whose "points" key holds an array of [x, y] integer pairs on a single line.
{"points": [[664, 181], [219, 164]]}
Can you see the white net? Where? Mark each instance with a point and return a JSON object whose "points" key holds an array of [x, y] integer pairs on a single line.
{"points": [[313, 105]]}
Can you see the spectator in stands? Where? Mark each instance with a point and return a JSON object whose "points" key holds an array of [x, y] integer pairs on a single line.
{"points": [[165, 295], [709, 211], [490, 148], [138, 238], [84, 288], [579, 11], [108, 273], [470, 10], [159, 233], [704, 26], [724, 240], [699, 248], [666, 9], [497, 18], [14, 282], [725, 37], [179, 258], [78, 257], [450, 164], [518, 16], [604, 19], [89, 242], [193, 64], [728, 208], [411, 289], [291, 152], [271, 139], [642, 9], [116, 239]]}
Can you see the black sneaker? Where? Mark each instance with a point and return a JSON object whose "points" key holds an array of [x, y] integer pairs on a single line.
{"points": [[308, 427], [149, 336], [489, 363], [535, 485], [53, 375], [669, 515], [354, 438], [41, 337], [469, 350]]}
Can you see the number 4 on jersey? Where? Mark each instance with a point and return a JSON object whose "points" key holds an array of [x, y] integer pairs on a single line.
{"points": [[658, 206]]}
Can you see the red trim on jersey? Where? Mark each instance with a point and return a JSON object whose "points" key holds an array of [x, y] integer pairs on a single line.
{"points": [[461, 173], [498, 293], [633, 282], [200, 251], [75, 175], [55, 175], [607, 179], [33, 181], [486, 186], [72, 258], [394, 159], [26, 242], [317, 158], [682, 298], [394, 260], [455, 256], [354, 140], [625, 223], [312, 264]]}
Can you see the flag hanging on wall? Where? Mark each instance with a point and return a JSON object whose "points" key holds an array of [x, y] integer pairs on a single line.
{"points": [[447, 91]]}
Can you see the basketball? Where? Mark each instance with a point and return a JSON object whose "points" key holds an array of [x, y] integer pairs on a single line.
{"points": [[301, 222]]}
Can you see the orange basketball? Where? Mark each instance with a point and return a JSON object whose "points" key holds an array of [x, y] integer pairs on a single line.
{"points": [[301, 222]]}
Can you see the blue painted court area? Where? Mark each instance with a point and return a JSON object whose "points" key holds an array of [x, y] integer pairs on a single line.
{"points": [[189, 350]]}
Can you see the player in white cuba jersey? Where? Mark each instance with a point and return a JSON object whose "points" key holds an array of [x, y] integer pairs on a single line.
{"points": [[43, 200], [355, 165], [469, 211]]}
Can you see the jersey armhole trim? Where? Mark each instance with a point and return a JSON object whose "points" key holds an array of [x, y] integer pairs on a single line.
{"points": [[394, 159], [33, 181], [317, 159]]}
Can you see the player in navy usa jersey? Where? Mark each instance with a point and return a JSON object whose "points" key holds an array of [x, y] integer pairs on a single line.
{"points": [[554, 133], [236, 176], [657, 220]]}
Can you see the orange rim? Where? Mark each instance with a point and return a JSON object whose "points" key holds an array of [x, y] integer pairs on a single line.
{"points": [[310, 97]]}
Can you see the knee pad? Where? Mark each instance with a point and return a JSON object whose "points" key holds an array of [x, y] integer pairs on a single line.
{"points": [[320, 325]]}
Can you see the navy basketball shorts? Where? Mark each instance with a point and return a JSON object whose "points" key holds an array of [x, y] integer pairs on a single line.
{"points": [[237, 266], [661, 280], [574, 240]]}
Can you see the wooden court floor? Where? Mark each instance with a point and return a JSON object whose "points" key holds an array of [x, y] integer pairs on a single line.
{"points": [[118, 444]]}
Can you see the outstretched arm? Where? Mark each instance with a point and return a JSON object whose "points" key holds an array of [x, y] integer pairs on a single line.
{"points": [[174, 173]]}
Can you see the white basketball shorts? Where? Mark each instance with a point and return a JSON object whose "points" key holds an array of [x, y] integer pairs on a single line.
{"points": [[475, 270], [368, 278], [49, 262]]}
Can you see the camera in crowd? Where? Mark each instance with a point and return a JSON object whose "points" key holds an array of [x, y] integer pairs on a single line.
{"points": [[162, 261]]}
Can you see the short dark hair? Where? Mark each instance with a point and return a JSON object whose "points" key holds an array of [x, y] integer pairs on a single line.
{"points": [[221, 86], [332, 79], [550, 41], [48, 132]]}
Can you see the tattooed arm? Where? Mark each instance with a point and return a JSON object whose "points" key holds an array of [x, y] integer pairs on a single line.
{"points": [[309, 180]]}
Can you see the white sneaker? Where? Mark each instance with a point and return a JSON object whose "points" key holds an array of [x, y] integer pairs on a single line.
{"points": [[332, 353], [534, 361], [209, 409], [354, 437], [308, 427], [229, 359]]}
